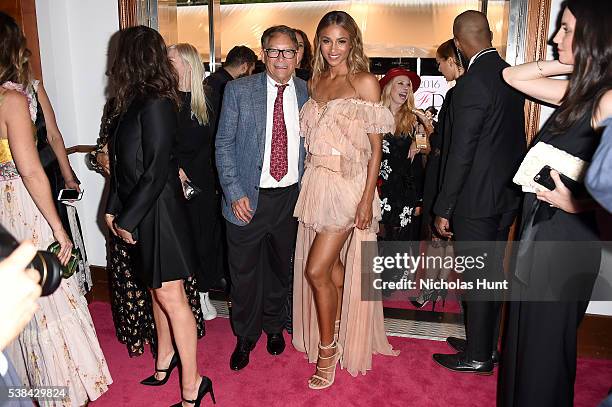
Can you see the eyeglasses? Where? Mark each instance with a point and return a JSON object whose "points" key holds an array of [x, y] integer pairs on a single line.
{"points": [[274, 53]]}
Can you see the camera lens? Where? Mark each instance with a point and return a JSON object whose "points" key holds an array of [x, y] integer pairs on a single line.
{"points": [[46, 263]]}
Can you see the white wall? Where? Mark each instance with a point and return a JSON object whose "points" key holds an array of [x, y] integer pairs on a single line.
{"points": [[73, 38]]}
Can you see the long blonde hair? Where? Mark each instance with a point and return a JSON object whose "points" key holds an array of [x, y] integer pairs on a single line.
{"points": [[357, 60], [404, 118], [190, 56]]}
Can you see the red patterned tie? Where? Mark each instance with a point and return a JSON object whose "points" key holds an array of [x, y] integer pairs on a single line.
{"points": [[278, 155]]}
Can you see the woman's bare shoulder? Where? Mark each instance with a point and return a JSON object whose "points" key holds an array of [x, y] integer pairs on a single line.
{"points": [[367, 86], [11, 99]]}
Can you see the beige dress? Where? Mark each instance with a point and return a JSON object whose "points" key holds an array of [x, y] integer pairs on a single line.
{"points": [[59, 347], [338, 151]]}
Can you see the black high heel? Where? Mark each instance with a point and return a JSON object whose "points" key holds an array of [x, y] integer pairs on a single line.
{"points": [[153, 381], [205, 387], [429, 295], [437, 295]]}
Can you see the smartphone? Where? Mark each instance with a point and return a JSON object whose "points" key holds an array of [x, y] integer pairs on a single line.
{"points": [[69, 195], [421, 141], [543, 178]]}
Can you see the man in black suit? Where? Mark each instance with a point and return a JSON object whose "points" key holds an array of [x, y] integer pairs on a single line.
{"points": [[240, 62], [478, 199]]}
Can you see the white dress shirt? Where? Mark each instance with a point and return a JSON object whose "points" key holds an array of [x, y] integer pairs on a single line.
{"points": [[292, 122]]}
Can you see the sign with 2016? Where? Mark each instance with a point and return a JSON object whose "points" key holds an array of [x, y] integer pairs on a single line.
{"points": [[431, 92]]}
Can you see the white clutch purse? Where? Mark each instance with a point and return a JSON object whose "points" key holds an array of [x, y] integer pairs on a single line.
{"points": [[543, 154]]}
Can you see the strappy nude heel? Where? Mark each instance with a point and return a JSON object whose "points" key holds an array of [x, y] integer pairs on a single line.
{"points": [[326, 382]]}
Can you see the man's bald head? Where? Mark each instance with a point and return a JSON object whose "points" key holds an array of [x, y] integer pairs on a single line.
{"points": [[472, 32]]}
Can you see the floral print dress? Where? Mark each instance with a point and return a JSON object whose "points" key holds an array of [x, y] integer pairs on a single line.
{"points": [[401, 189], [59, 346]]}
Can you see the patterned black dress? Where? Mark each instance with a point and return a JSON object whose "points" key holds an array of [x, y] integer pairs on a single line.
{"points": [[130, 299], [401, 189]]}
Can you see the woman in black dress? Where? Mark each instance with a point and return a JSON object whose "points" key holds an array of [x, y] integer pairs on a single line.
{"points": [[402, 169], [130, 300], [145, 205], [451, 66], [194, 156], [539, 359]]}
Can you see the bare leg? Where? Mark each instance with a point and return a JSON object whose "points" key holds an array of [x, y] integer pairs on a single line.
{"points": [[165, 350], [173, 300], [323, 260], [338, 279]]}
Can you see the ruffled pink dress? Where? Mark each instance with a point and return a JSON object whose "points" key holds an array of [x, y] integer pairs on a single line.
{"points": [[338, 151]]}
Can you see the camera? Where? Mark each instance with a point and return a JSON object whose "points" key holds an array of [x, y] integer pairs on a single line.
{"points": [[46, 263]]}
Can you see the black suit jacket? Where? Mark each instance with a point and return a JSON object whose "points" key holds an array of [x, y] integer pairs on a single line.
{"points": [[487, 144], [216, 83], [142, 160]]}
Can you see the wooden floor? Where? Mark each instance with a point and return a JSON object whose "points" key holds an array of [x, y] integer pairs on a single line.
{"points": [[594, 335]]}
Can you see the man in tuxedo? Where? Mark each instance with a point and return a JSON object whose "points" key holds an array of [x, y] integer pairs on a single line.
{"points": [[477, 200], [260, 157]]}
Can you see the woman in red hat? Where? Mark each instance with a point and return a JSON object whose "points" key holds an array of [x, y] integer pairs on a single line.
{"points": [[402, 169], [338, 207]]}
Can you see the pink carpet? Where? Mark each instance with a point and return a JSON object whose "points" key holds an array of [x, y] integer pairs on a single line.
{"points": [[411, 379]]}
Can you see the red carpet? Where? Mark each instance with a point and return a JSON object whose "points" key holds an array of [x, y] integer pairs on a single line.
{"points": [[411, 379]]}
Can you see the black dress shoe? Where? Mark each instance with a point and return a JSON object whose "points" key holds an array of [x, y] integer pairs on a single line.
{"points": [[458, 363], [459, 345], [205, 387], [153, 381], [240, 357], [276, 344]]}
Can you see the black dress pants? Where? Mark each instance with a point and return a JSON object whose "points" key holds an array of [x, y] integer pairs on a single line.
{"points": [[482, 318], [259, 257]]}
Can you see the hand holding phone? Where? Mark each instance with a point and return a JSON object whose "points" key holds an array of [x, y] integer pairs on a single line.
{"points": [[68, 194], [543, 178]]}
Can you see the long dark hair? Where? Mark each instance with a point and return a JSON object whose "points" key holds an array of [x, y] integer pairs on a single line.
{"points": [[14, 56], [142, 69], [592, 49], [306, 62]]}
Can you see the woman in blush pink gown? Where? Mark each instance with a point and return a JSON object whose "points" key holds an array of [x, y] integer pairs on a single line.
{"points": [[338, 207]]}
